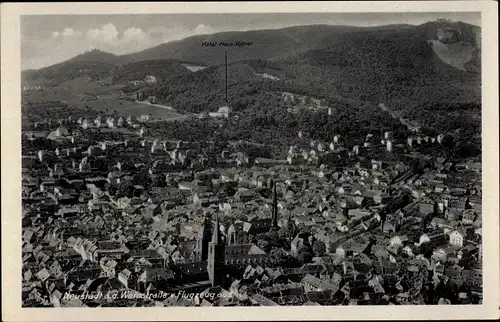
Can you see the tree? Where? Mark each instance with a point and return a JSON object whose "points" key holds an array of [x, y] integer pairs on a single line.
{"points": [[125, 189], [279, 256], [263, 244], [301, 229], [319, 248], [304, 254], [159, 181], [142, 178], [283, 232]]}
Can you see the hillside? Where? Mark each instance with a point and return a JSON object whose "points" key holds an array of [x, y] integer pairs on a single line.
{"points": [[272, 44], [95, 55], [412, 69], [467, 33], [395, 65], [266, 44], [456, 43], [162, 69], [399, 68], [96, 65]]}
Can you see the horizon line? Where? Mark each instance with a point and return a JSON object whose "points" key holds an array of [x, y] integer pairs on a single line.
{"points": [[246, 30]]}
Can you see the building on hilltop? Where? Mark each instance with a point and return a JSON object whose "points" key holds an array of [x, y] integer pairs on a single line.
{"points": [[223, 111]]}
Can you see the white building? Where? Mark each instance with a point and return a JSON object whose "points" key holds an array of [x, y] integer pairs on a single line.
{"points": [[223, 111], [457, 237], [62, 131], [389, 146], [149, 79]]}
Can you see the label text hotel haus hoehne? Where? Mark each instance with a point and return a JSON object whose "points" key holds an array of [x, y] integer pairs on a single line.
{"points": [[226, 44]]}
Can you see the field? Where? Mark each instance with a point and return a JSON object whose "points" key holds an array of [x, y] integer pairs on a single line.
{"points": [[456, 54], [126, 108], [110, 99]]}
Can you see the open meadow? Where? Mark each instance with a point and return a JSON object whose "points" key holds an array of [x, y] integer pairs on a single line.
{"points": [[105, 98]]}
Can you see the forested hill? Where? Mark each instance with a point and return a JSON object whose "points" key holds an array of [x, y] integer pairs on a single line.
{"points": [[273, 44], [396, 66], [384, 66], [427, 73], [265, 44], [399, 68], [467, 33], [162, 69]]}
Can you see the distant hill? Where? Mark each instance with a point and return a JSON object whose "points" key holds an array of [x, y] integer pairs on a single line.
{"points": [[396, 65], [271, 44], [161, 69], [96, 64], [373, 64], [415, 70], [467, 33], [95, 55], [266, 44]]}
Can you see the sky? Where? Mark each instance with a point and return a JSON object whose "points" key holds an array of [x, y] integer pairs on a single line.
{"points": [[50, 39]]}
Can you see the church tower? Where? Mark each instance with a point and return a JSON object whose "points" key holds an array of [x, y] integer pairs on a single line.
{"points": [[202, 241], [274, 222], [216, 257]]}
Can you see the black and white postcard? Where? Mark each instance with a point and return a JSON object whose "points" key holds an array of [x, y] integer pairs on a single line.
{"points": [[243, 160]]}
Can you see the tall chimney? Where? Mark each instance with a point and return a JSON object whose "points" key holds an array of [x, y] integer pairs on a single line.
{"points": [[275, 207]]}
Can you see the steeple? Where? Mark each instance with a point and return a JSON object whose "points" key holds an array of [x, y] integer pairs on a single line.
{"points": [[203, 239], [216, 257], [274, 224], [216, 239]]}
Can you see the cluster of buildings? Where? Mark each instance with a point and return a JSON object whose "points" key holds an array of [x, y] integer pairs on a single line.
{"points": [[148, 80], [31, 88], [380, 222]]}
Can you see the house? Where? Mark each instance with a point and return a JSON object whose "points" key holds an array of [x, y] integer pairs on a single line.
{"points": [[381, 198], [245, 195], [149, 79], [257, 225], [437, 238], [398, 240], [297, 243], [468, 217], [458, 236], [473, 278], [222, 112], [314, 284], [426, 208], [409, 250], [126, 278], [442, 223], [442, 254]]}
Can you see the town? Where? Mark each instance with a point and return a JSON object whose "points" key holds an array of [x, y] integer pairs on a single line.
{"points": [[111, 206]]}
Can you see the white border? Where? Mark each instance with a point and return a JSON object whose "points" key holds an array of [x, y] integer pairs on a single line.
{"points": [[11, 137]]}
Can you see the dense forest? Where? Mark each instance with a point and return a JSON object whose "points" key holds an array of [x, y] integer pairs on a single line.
{"points": [[396, 67], [352, 70], [392, 66], [57, 74], [266, 123], [162, 69]]}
